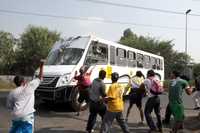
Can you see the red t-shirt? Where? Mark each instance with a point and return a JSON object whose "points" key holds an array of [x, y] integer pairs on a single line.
{"points": [[83, 80]]}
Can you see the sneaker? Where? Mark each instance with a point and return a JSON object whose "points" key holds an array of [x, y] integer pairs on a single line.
{"points": [[91, 131], [196, 108], [160, 130], [165, 122]]}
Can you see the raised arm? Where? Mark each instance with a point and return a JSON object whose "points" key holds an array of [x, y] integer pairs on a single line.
{"points": [[40, 76]]}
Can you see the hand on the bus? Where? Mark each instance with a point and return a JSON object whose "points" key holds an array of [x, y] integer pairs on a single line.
{"points": [[75, 73], [41, 69]]}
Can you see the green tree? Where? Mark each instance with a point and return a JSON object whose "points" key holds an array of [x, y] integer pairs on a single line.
{"points": [[173, 59], [196, 69], [35, 44], [7, 42]]}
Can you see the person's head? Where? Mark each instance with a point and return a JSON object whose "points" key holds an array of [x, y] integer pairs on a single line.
{"points": [[150, 73], [114, 77], [18, 80], [82, 70], [175, 74], [139, 74], [102, 74]]}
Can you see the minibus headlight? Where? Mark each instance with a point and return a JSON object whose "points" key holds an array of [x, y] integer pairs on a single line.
{"points": [[63, 80]]}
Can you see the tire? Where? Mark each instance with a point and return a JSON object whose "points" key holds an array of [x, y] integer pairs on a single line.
{"points": [[76, 106]]}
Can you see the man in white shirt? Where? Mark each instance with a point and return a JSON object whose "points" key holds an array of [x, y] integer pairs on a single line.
{"points": [[153, 103], [20, 103]]}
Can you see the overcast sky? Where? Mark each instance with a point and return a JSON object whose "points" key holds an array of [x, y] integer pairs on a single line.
{"points": [[162, 26]]}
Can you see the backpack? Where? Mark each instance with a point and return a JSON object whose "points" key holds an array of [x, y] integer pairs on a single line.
{"points": [[156, 87]]}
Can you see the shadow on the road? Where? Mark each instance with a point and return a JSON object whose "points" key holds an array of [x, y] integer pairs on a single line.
{"points": [[57, 130], [59, 107], [192, 123], [62, 110], [138, 130], [54, 114]]}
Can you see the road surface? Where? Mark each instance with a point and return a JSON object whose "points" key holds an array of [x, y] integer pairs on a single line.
{"points": [[59, 118]]}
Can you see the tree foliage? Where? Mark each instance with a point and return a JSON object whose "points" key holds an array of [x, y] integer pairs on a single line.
{"points": [[173, 59], [35, 44], [196, 70], [7, 42]]}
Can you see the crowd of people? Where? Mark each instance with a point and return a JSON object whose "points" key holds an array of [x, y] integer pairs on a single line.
{"points": [[109, 104]]}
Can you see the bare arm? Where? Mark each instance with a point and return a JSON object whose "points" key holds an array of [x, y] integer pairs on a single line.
{"points": [[189, 90], [41, 70]]}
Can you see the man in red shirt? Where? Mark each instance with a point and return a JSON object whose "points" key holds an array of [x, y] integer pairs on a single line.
{"points": [[83, 84]]}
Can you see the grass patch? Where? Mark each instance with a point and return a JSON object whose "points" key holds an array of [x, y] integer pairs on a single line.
{"points": [[6, 85]]}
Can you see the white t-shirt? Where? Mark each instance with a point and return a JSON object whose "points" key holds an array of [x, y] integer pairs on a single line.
{"points": [[21, 100]]}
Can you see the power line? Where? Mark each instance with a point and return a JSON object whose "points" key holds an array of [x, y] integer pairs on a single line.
{"points": [[91, 20], [139, 7], [132, 6]]}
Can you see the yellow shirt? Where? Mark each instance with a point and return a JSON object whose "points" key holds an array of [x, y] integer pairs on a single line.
{"points": [[116, 93]]}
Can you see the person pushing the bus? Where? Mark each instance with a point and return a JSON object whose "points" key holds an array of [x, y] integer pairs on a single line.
{"points": [[83, 84], [115, 106], [135, 95]]}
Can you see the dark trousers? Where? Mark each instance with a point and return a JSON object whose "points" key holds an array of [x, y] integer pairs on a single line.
{"points": [[108, 119], [153, 103], [95, 108], [168, 114]]}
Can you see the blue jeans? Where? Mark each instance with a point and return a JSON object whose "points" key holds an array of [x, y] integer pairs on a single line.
{"points": [[21, 127], [23, 124], [153, 103], [108, 119]]}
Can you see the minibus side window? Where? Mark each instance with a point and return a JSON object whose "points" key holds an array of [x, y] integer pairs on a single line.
{"points": [[147, 62], [131, 56], [153, 63], [97, 54], [121, 57], [158, 64], [140, 60]]}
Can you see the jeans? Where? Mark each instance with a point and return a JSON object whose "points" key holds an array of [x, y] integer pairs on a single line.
{"points": [[108, 119], [21, 127], [168, 114], [153, 103], [94, 109]]}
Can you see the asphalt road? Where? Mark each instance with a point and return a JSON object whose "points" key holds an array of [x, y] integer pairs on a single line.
{"points": [[60, 119]]}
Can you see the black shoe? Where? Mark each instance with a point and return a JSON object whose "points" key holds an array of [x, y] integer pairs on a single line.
{"points": [[165, 122], [90, 131], [160, 130], [196, 108]]}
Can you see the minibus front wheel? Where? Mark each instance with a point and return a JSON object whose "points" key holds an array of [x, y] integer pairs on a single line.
{"points": [[75, 103]]}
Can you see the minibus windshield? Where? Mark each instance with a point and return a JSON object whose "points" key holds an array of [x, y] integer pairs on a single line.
{"points": [[67, 52], [67, 56]]}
